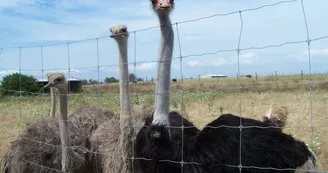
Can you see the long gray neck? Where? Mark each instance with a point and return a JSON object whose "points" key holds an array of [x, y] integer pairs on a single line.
{"points": [[124, 82], [53, 102], [63, 127], [162, 98], [63, 100], [126, 116]]}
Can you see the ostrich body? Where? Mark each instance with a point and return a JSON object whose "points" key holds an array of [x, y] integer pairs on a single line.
{"points": [[210, 150], [215, 148]]}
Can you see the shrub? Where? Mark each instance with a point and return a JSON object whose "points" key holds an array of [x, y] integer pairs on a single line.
{"points": [[10, 85]]}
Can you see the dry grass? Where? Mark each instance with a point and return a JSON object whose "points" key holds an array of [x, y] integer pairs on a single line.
{"points": [[284, 83], [201, 107]]}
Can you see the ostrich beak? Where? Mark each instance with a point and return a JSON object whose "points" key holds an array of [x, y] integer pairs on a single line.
{"points": [[49, 84]]}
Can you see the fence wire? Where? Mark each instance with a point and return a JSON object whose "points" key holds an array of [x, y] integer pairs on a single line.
{"points": [[240, 88]]}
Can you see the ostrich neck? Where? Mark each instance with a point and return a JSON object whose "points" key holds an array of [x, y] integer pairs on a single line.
{"points": [[124, 83], [53, 102], [161, 110], [63, 127], [126, 117], [63, 103]]}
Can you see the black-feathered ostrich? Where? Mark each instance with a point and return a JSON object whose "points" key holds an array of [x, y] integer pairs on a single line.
{"points": [[211, 149]]}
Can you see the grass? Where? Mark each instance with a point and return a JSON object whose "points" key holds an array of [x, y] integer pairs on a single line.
{"points": [[262, 83], [202, 102]]}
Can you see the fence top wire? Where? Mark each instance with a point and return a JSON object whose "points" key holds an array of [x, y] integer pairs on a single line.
{"points": [[154, 27]]}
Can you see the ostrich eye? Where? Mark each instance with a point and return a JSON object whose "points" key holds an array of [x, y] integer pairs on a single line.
{"points": [[123, 30], [59, 79]]}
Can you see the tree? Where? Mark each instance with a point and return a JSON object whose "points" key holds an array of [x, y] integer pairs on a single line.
{"points": [[111, 80], [174, 80], [84, 82], [13, 83], [91, 81], [132, 77], [139, 79]]}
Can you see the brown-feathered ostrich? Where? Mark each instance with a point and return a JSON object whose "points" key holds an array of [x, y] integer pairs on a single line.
{"points": [[86, 119], [120, 35], [113, 139], [216, 148], [38, 148]]}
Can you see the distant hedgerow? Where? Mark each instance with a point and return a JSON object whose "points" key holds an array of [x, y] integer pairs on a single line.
{"points": [[10, 85]]}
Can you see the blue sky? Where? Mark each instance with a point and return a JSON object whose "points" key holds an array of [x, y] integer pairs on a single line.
{"points": [[43, 22]]}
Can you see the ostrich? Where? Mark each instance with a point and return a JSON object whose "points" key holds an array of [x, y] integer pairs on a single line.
{"points": [[38, 147], [113, 141], [120, 35], [60, 82], [211, 149]]}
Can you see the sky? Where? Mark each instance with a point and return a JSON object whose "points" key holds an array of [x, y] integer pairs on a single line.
{"points": [[66, 33]]}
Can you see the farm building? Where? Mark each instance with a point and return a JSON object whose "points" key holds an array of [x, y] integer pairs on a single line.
{"points": [[75, 85], [213, 76]]}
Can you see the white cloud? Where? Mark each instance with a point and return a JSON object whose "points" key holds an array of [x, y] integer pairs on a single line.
{"points": [[304, 56], [7, 72], [212, 63], [247, 58], [144, 66]]}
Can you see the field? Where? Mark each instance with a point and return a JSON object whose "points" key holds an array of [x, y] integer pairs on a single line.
{"points": [[202, 101]]}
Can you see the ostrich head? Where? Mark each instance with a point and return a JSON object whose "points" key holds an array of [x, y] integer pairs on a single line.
{"points": [[162, 6], [56, 80], [119, 32]]}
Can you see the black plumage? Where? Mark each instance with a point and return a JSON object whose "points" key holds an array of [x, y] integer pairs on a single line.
{"points": [[217, 150]]}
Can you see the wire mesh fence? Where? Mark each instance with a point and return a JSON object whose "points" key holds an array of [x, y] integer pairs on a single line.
{"points": [[184, 93]]}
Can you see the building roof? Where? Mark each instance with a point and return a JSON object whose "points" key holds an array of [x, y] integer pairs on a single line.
{"points": [[69, 79], [213, 75]]}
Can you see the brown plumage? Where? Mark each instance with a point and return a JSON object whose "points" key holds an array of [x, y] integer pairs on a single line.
{"points": [[106, 141], [88, 118], [276, 116], [38, 148]]}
